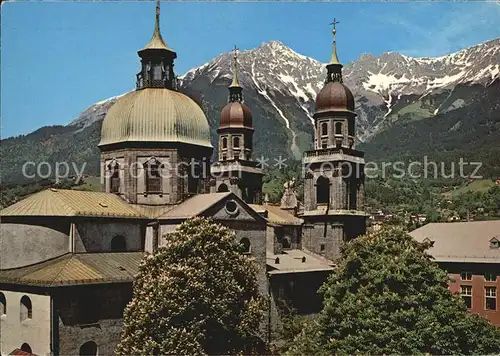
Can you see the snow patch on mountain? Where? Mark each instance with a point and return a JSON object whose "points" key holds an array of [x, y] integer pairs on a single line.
{"points": [[294, 148], [377, 82], [94, 113]]}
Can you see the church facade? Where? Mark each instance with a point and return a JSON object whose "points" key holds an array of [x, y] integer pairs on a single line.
{"points": [[68, 258]]}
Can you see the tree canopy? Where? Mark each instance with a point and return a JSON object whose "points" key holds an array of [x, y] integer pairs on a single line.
{"points": [[387, 296], [196, 295]]}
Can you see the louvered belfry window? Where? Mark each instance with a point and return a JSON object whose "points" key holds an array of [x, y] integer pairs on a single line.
{"points": [[153, 178], [115, 179]]}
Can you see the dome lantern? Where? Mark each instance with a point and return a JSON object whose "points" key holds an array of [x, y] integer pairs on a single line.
{"points": [[157, 61]]}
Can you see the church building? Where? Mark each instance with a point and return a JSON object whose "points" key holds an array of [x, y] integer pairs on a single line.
{"points": [[68, 257]]}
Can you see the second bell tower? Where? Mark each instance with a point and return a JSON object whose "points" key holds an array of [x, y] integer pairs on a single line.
{"points": [[334, 169], [235, 170]]}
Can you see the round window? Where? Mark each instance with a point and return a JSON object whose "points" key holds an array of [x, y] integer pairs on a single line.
{"points": [[231, 207]]}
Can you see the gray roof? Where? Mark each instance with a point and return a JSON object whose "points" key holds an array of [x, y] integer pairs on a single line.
{"points": [[194, 206], [461, 241], [71, 269], [65, 202], [290, 261]]}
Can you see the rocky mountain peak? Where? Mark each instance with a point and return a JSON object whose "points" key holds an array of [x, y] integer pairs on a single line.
{"points": [[284, 84]]}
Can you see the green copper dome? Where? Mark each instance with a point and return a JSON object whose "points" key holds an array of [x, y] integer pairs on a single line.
{"points": [[155, 115]]}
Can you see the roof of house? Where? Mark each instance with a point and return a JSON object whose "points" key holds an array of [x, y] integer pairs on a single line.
{"points": [[63, 202], [194, 206], [71, 269], [291, 261], [461, 241], [20, 352], [153, 211], [276, 215]]}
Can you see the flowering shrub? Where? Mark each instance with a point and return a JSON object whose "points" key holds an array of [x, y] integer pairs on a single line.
{"points": [[197, 295], [387, 297]]}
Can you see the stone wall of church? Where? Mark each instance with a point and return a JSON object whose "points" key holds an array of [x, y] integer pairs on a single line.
{"points": [[91, 313], [32, 240], [34, 331], [173, 160], [256, 233], [133, 177], [324, 235], [272, 240], [323, 238], [96, 235], [346, 188], [294, 293]]}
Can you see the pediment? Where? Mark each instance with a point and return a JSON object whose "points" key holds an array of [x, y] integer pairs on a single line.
{"points": [[230, 207]]}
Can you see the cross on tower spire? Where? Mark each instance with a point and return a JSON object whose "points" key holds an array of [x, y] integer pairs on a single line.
{"points": [[235, 90], [334, 58], [334, 30], [157, 23], [236, 82]]}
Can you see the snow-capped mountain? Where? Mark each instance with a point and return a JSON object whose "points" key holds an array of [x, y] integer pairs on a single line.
{"points": [[94, 113], [286, 83], [280, 86]]}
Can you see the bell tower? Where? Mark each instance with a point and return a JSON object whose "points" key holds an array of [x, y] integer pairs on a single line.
{"points": [[334, 169], [235, 170], [157, 61]]}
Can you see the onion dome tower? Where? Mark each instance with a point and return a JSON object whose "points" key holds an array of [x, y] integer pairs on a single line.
{"points": [[151, 132], [334, 169], [235, 171]]}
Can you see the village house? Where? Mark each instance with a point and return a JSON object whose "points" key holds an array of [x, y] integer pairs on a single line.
{"points": [[470, 253]]}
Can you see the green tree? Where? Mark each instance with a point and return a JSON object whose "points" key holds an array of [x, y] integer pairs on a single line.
{"points": [[387, 296], [198, 295]]}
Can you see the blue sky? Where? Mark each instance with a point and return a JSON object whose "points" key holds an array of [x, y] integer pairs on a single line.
{"points": [[58, 58]]}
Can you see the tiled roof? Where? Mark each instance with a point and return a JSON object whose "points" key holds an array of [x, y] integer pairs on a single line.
{"points": [[61, 202], [461, 241], [84, 268], [194, 206], [290, 261], [153, 211], [276, 215], [20, 352]]}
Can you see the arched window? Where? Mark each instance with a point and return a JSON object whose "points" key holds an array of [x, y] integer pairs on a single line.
{"points": [[350, 127], [3, 304], [338, 128], [114, 178], [157, 72], [224, 142], [353, 195], [118, 244], [322, 190], [222, 188], [153, 177], [88, 349], [324, 129], [236, 142], [194, 173], [286, 243], [246, 246], [26, 308], [26, 348]]}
